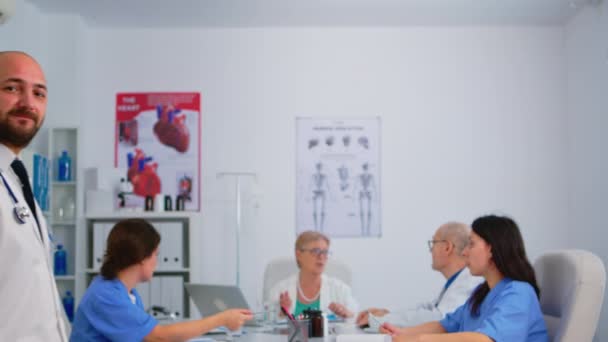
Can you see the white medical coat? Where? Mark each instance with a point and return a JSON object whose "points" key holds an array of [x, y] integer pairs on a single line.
{"points": [[30, 308], [453, 297], [332, 290]]}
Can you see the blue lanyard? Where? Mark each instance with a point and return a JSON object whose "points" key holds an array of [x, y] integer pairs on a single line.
{"points": [[445, 287], [10, 191], [452, 278]]}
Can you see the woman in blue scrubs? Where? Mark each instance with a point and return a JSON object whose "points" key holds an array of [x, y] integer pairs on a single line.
{"points": [[503, 308], [112, 310]]}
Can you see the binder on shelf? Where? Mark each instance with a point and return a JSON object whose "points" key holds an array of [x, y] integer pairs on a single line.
{"points": [[101, 230], [174, 243], [40, 181], [170, 253], [162, 248], [173, 294], [166, 292], [155, 292]]}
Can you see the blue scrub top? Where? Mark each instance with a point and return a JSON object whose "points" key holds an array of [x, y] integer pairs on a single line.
{"points": [[106, 313], [510, 312]]}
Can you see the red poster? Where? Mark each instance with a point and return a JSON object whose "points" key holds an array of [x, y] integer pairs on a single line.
{"points": [[158, 142]]}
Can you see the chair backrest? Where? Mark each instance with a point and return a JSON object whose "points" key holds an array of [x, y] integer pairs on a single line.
{"points": [[283, 267], [571, 293]]}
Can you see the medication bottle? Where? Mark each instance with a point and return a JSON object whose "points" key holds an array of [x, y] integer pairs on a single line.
{"points": [[68, 305], [180, 203], [65, 167], [168, 203], [149, 203], [318, 322], [60, 264]]}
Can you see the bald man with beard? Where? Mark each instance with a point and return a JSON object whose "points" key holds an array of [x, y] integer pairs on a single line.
{"points": [[30, 306]]}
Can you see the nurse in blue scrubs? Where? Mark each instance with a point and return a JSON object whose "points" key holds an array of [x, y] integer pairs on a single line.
{"points": [[112, 310], [503, 308]]}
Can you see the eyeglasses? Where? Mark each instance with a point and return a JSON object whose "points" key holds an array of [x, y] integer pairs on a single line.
{"points": [[431, 243], [317, 252]]}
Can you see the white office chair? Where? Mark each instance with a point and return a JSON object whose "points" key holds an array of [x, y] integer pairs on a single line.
{"points": [[283, 267], [571, 293]]}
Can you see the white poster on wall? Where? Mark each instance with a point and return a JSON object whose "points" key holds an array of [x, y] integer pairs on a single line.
{"points": [[338, 176]]}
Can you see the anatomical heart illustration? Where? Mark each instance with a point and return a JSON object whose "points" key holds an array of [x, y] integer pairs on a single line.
{"points": [[170, 128], [142, 174], [158, 144]]}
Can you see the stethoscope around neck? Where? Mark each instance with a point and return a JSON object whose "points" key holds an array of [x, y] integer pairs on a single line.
{"points": [[20, 212]]}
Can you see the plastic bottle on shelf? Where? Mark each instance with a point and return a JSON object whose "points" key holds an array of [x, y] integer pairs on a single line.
{"points": [[65, 165], [60, 264], [68, 305], [69, 212]]}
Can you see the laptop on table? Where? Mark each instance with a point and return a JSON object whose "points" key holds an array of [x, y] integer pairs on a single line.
{"points": [[212, 299]]}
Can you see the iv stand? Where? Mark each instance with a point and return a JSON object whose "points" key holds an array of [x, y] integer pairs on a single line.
{"points": [[238, 176]]}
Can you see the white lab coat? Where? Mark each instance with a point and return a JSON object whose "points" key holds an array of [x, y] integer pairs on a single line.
{"points": [[456, 294], [30, 308], [332, 290]]}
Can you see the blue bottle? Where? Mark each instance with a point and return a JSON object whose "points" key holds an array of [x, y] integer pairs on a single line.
{"points": [[68, 305], [61, 266], [65, 167]]}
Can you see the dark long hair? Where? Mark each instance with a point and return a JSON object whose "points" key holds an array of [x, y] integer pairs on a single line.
{"points": [[508, 254], [130, 242]]}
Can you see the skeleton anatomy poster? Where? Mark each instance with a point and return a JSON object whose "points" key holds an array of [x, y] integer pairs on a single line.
{"points": [[338, 177], [157, 140]]}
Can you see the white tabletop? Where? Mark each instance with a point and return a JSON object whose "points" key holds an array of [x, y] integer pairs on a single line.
{"points": [[279, 334]]}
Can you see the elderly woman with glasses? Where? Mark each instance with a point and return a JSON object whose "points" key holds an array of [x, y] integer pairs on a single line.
{"points": [[310, 288]]}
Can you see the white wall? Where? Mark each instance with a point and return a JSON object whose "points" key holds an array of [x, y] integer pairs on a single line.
{"points": [[473, 122], [27, 30], [587, 82], [53, 40]]}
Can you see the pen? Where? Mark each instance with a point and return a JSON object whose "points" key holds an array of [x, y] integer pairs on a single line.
{"points": [[290, 316]]}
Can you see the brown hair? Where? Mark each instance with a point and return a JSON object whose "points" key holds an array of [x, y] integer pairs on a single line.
{"points": [[130, 242], [307, 237]]}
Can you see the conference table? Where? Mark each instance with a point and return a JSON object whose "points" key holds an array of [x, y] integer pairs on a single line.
{"points": [[278, 333]]}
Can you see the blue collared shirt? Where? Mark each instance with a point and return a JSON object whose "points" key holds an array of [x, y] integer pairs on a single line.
{"points": [[106, 313], [510, 312]]}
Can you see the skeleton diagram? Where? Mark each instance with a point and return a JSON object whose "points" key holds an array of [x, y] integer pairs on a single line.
{"points": [[320, 192], [365, 189], [343, 175]]}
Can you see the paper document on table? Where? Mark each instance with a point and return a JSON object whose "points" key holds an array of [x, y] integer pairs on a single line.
{"points": [[202, 339], [363, 338]]}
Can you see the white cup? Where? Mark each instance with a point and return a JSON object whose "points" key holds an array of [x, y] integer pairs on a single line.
{"points": [[159, 203]]}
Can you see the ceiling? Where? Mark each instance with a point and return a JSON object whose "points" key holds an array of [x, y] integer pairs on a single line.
{"points": [[262, 13]]}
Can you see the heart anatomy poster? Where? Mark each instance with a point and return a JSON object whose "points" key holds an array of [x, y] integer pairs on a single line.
{"points": [[338, 176], [158, 141]]}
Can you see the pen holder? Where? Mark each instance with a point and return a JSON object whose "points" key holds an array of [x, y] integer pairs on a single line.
{"points": [[298, 330]]}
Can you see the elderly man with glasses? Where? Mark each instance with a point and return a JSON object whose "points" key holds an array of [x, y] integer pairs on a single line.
{"points": [[446, 249]]}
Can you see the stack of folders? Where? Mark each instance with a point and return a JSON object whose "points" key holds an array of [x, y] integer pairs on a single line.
{"points": [[165, 291]]}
